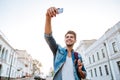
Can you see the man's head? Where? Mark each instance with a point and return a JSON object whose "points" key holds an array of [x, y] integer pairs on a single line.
{"points": [[70, 38]]}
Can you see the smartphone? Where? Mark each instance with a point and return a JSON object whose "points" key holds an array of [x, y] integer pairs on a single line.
{"points": [[60, 10]]}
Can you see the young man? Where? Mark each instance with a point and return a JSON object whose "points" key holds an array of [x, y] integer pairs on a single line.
{"points": [[64, 58]]}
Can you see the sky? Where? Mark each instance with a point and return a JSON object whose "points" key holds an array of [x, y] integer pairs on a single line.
{"points": [[23, 21]]}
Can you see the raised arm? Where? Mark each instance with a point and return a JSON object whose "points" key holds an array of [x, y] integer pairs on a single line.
{"points": [[51, 12]]}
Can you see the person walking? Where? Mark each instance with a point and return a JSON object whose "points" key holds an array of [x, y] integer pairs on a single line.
{"points": [[65, 67]]}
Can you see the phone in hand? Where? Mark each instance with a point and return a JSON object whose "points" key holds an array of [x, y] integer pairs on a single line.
{"points": [[60, 10]]}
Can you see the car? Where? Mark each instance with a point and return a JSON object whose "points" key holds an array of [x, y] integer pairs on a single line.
{"points": [[38, 77]]}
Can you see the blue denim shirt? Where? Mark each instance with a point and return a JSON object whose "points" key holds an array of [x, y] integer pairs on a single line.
{"points": [[60, 54]]}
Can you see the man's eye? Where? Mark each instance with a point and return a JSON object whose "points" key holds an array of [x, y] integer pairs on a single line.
{"points": [[67, 36], [71, 36]]}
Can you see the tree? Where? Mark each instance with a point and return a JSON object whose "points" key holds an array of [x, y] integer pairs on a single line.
{"points": [[36, 67]]}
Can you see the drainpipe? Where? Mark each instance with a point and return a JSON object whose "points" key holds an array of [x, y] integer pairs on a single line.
{"points": [[108, 61]]}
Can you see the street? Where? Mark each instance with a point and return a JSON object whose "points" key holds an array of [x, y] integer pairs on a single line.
{"points": [[32, 78]]}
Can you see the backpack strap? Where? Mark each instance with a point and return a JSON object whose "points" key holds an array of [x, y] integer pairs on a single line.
{"points": [[76, 57]]}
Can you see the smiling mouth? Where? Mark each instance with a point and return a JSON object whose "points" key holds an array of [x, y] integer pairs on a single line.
{"points": [[69, 41]]}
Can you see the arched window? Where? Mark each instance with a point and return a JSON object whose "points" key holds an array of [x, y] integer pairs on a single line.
{"points": [[115, 47], [98, 56], [6, 54], [0, 49], [2, 56]]}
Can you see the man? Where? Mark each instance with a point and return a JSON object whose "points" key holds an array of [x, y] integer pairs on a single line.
{"points": [[64, 58]]}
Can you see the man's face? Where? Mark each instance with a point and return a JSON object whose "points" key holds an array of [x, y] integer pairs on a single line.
{"points": [[70, 40]]}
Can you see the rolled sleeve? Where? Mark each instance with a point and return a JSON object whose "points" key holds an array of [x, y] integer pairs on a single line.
{"points": [[51, 42], [48, 35]]}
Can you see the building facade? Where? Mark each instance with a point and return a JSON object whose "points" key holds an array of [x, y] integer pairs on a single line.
{"points": [[26, 67], [7, 58], [102, 57], [10, 65]]}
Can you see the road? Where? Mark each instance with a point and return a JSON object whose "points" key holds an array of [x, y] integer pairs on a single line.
{"points": [[26, 78], [32, 78]]}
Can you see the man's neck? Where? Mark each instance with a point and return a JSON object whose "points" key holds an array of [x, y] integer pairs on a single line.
{"points": [[69, 49]]}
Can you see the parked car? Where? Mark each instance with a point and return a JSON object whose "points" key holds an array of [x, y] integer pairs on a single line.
{"points": [[38, 77]]}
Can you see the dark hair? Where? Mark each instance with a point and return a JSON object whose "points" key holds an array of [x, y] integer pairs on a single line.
{"points": [[71, 32]]}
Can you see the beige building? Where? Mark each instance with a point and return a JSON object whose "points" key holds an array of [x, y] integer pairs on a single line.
{"points": [[102, 56], [26, 59]]}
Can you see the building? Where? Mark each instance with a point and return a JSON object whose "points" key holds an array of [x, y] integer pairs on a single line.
{"points": [[13, 63], [102, 57], [27, 63], [7, 58]]}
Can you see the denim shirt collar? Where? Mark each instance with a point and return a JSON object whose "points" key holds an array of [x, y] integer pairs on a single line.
{"points": [[72, 54]]}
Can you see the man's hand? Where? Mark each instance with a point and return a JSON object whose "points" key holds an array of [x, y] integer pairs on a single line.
{"points": [[82, 73], [79, 65], [51, 12]]}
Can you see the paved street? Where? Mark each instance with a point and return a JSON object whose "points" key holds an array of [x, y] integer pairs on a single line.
{"points": [[26, 78], [32, 78]]}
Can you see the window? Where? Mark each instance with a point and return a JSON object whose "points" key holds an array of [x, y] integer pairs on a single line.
{"points": [[98, 56], [0, 48], [103, 53], [106, 69], [118, 63], [91, 73], [93, 58], [7, 72], [100, 71], [3, 50], [95, 72], [0, 70], [114, 45], [89, 60], [6, 54]]}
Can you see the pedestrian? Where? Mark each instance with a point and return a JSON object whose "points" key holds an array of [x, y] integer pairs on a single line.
{"points": [[64, 58]]}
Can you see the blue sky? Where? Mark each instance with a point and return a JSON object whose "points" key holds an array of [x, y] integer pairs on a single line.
{"points": [[22, 22]]}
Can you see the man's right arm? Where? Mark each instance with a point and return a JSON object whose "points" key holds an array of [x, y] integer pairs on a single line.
{"points": [[51, 12]]}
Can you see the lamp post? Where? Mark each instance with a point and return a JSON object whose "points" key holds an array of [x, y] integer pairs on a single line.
{"points": [[10, 65]]}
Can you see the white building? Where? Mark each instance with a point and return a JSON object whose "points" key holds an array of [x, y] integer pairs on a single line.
{"points": [[7, 58], [102, 57], [13, 63]]}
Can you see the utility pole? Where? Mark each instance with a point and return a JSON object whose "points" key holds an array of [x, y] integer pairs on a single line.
{"points": [[11, 65]]}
